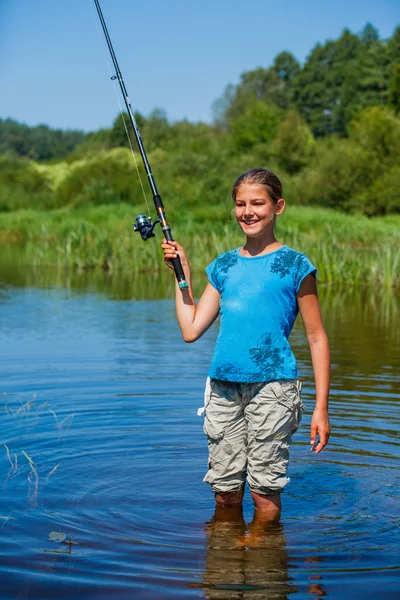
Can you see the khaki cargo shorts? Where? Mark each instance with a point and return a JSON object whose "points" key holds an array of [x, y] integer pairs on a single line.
{"points": [[249, 427]]}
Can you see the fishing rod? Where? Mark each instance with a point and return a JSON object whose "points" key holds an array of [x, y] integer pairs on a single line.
{"points": [[144, 225]]}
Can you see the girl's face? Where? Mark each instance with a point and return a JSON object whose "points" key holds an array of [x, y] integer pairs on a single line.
{"points": [[255, 212]]}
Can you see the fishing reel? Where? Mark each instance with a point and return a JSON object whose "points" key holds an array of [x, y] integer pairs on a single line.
{"points": [[144, 225]]}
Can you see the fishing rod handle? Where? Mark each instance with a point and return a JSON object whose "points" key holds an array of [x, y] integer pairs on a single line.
{"points": [[176, 262], [177, 265]]}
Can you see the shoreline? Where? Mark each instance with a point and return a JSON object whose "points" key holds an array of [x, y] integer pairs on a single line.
{"points": [[347, 249]]}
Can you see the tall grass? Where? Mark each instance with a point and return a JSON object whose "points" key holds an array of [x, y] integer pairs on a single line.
{"points": [[347, 249]]}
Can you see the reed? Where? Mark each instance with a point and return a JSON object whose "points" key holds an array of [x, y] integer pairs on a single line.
{"points": [[13, 461], [347, 249]]}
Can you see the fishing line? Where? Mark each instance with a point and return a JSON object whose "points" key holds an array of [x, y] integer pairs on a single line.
{"points": [[117, 95], [143, 225]]}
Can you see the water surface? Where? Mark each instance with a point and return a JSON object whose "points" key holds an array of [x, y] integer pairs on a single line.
{"points": [[98, 414]]}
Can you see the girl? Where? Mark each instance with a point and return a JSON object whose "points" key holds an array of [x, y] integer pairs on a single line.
{"points": [[253, 403]]}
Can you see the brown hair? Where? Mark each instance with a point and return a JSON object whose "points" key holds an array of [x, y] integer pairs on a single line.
{"points": [[260, 177]]}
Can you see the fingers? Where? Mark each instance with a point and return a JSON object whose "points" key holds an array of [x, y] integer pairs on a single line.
{"points": [[166, 243], [318, 445], [169, 248], [313, 434], [323, 440], [170, 251]]}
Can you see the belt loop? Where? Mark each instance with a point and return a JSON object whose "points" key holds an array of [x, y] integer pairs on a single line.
{"points": [[299, 384]]}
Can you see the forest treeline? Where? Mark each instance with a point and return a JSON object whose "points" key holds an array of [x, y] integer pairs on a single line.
{"points": [[330, 128]]}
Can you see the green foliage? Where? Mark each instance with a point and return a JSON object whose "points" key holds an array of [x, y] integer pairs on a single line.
{"points": [[347, 249], [294, 144], [382, 197], [268, 86], [37, 143], [393, 46], [341, 78], [369, 35], [378, 132], [319, 88], [337, 81], [257, 125], [23, 185], [107, 178], [358, 173], [286, 66], [329, 128], [394, 88]]}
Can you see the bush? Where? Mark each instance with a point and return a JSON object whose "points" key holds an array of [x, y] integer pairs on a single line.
{"points": [[382, 198], [23, 185], [107, 178]]}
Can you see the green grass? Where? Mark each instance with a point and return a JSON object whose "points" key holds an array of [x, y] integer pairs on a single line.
{"points": [[347, 249]]}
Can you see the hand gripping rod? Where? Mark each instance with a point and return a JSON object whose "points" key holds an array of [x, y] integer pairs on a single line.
{"points": [[176, 262]]}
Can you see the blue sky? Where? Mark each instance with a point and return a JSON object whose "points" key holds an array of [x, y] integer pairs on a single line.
{"points": [[177, 55]]}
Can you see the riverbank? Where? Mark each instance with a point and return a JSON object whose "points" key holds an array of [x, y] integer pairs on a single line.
{"points": [[348, 249]]}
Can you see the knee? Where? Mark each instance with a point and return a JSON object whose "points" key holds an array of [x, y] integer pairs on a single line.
{"points": [[232, 498]]}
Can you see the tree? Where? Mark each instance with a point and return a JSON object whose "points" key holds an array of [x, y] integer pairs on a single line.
{"points": [[378, 132], [365, 84], [369, 34], [118, 134], [393, 46], [286, 66], [294, 143], [394, 88], [360, 173], [271, 86], [321, 88], [156, 129], [38, 143], [258, 125], [221, 106]]}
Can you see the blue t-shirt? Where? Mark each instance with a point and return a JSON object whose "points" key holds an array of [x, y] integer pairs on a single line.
{"points": [[258, 308]]}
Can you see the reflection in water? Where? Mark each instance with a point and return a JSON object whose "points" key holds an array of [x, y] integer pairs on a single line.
{"points": [[116, 285], [250, 562], [245, 562]]}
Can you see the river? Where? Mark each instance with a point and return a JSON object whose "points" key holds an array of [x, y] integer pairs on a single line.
{"points": [[102, 454]]}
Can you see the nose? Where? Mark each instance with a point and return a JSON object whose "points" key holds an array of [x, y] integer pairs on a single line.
{"points": [[248, 210]]}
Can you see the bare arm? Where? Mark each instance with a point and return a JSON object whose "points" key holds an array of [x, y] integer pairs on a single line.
{"points": [[307, 298], [193, 320]]}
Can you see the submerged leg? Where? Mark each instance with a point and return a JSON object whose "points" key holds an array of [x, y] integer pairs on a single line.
{"points": [[232, 498], [273, 415], [269, 507], [263, 532]]}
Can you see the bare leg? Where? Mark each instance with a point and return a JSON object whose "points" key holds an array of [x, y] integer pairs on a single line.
{"points": [[229, 513], [269, 507], [234, 498], [263, 528]]}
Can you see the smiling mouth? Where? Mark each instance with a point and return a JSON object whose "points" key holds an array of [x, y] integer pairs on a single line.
{"points": [[250, 222]]}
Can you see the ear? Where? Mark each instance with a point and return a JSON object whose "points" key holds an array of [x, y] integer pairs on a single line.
{"points": [[280, 206]]}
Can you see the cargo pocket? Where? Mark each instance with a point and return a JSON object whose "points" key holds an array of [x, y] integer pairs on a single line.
{"points": [[213, 430], [217, 457], [214, 418], [279, 460], [288, 396]]}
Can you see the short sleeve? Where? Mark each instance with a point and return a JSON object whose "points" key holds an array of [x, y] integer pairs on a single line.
{"points": [[303, 267], [212, 274]]}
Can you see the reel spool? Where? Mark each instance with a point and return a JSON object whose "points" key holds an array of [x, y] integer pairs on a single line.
{"points": [[144, 225]]}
